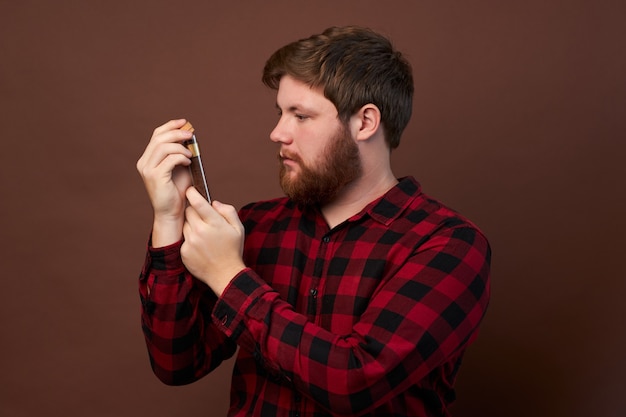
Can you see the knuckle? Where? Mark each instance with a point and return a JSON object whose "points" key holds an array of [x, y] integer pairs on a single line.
{"points": [[141, 164]]}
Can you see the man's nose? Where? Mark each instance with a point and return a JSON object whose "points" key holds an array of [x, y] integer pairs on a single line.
{"points": [[280, 134]]}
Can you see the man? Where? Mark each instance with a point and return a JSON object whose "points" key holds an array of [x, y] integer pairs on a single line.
{"points": [[356, 294]]}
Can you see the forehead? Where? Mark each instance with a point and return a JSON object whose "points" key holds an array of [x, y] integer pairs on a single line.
{"points": [[294, 94]]}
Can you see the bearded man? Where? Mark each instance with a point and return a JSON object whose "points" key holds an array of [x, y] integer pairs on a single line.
{"points": [[356, 294]]}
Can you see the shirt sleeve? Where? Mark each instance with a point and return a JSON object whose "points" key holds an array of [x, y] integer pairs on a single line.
{"points": [[422, 317], [182, 342]]}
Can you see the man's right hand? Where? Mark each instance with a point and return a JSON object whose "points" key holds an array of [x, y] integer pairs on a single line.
{"points": [[163, 170]]}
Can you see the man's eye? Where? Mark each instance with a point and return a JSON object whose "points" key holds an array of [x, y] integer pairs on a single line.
{"points": [[301, 117]]}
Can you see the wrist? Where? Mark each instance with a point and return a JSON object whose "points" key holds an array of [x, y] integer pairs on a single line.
{"points": [[219, 283], [166, 231]]}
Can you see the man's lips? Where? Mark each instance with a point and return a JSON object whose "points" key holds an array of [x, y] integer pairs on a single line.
{"points": [[288, 158]]}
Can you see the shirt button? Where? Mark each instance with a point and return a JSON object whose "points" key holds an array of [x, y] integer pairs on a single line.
{"points": [[326, 239], [313, 292], [224, 320]]}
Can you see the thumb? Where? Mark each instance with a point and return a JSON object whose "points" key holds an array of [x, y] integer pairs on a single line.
{"points": [[229, 213]]}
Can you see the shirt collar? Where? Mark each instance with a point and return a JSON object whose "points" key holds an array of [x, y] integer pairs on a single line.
{"points": [[384, 209], [388, 207]]}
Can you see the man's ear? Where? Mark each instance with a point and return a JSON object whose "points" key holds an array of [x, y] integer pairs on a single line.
{"points": [[367, 121]]}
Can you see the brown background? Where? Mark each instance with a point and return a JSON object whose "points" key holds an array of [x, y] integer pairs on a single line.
{"points": [[518, 123]]}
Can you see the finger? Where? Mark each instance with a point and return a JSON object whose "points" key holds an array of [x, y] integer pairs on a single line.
{"points": [[167, 133], [163, 151], [160, 146], [200, 205], [169, 167], [186, 230], [191, 217], [163, 135], [164, 169], [176, 137], [171, 125], [229, 213]]}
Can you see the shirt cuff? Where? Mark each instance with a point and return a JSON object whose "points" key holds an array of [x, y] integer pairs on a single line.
{"points": [[166, 258], [237, 303]]}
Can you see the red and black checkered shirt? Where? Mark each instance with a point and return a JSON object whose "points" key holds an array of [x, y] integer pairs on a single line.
{"points": [[370, 318]]}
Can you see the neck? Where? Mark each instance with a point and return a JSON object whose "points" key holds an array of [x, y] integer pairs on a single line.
{"points": [[358, 194]]}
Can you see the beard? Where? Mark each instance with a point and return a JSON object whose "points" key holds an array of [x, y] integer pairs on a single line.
{"points": [[340, 164]]}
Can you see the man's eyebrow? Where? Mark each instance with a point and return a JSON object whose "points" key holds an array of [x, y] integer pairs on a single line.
{"points": [[294, 108]]}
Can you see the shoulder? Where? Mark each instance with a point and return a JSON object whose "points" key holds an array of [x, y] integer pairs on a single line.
{"points": [[429, 217], [406, 210]]}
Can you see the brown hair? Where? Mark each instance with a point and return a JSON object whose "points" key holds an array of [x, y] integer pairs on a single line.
{"points": [[354, 66]]}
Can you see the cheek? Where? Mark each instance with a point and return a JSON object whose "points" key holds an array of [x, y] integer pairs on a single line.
{"points": [[312, 139], [313, 157], [312, 148]]}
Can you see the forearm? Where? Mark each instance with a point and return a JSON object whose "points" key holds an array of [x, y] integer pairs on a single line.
{"points": [[167, 231], [182, 342]]}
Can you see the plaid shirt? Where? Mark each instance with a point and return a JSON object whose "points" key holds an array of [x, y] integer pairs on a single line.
{"points": [[369, 318]]}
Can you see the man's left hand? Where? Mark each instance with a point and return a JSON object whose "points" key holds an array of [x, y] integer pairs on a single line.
{"points": [[213, 246]]}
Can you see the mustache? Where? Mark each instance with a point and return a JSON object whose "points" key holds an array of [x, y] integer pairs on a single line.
{"points": [[282, 155]]}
